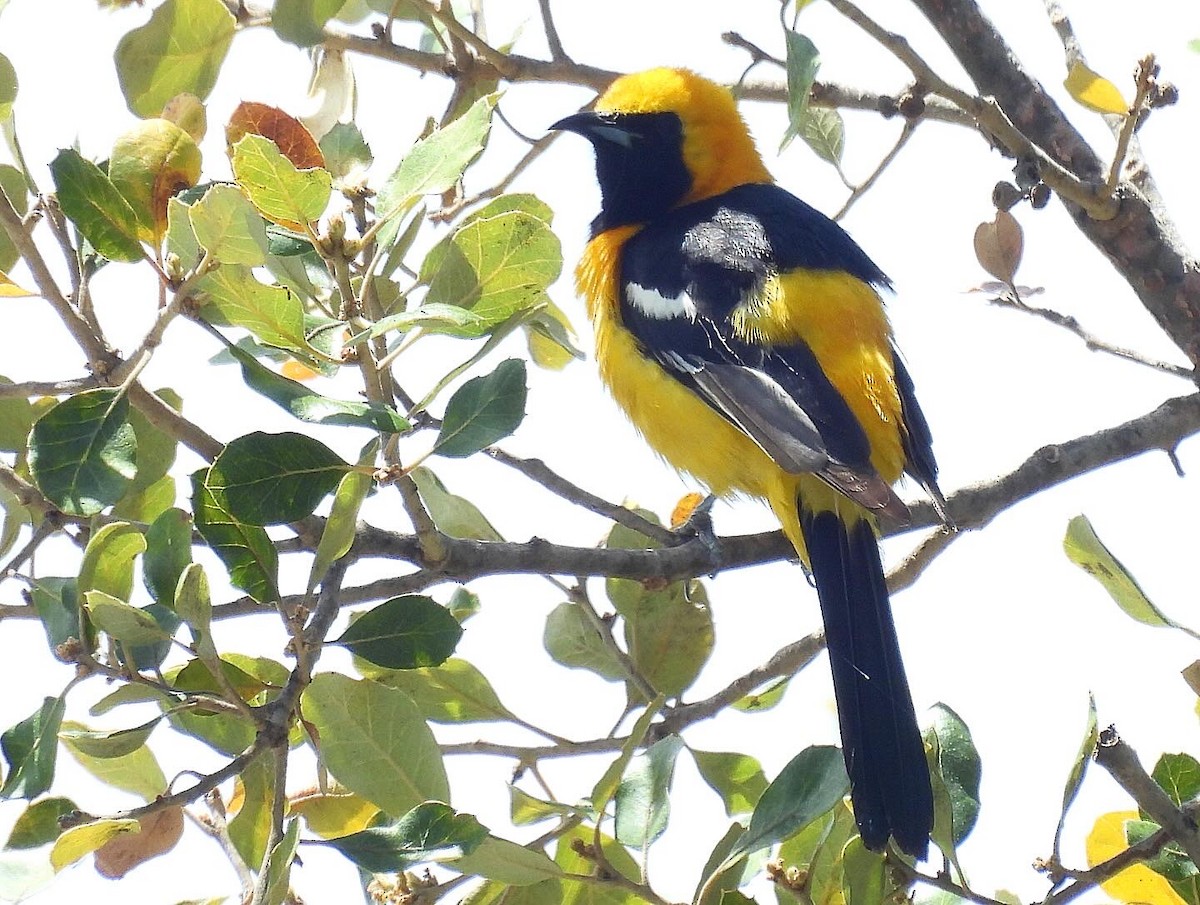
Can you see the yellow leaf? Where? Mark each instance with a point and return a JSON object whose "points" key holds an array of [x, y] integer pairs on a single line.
{"points": [[1136, 883], [331, 816], [83, 840], [1093, 90], [10, 290]]}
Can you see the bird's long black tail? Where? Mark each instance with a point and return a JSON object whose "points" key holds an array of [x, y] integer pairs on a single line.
{"points": [[885, 757]]}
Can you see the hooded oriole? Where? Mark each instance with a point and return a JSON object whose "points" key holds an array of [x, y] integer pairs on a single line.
{"points": [[743, 334]]}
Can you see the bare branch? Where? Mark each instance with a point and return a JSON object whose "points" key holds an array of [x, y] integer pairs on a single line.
{"points": [[1122, 763], [1014, 302]]}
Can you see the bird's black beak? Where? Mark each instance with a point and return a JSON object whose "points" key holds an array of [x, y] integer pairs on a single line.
{"points": [[595, 127]]}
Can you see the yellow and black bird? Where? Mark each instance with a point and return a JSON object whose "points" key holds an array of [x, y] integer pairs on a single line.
{"points": [[743, 333]]}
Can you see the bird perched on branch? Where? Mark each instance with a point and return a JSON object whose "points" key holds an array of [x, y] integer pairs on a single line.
{"points": [[743, 333]]}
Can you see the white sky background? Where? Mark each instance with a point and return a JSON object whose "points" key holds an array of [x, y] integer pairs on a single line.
{"points": [[1002, 628]]}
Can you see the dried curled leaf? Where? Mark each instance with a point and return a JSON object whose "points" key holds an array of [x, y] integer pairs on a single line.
{"points": [[159, 834], [999, 246]]}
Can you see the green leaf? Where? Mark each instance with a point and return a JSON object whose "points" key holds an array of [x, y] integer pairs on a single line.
{"points": [[16, 418], [231, 295], [282, 193], [758, 701], [737, 778], [551, 339], [193, 602], [227, 732], [57, 603], [246, 550], [271, 479], [572, 640], [525, 809], [129, 694], [403, 633], [155, 449], [1087, 551], [137, 772], [803, 61], [181, 238], [107, 744], [108, 560], [455, 692], [180, 50], [642, 803], [38, 823], [279, 867], [82, 451], [29, 749], [506, 862], [432, 318], [570, 855], [12, 183], [250, 828], [13, 517], [958, 768], [826, 871], [302, 22], [810, 785], [436, 162], [1179, 777], [168, 553], [463, 604], [309, 405], [798, 852], [345, 150], [1087, 747], [432, 831], [606, 786], [8, 87], [80, 841], [338, 536], [123, 622], [495, 266], [228, 227], [89, 199], [824, 130], [453, 515], [374, 740], [669, 634], [483, 410], [864, 879]]}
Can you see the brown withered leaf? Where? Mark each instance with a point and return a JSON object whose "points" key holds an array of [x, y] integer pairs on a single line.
{"points": [[999, 246], [159, 834], [293, 140]]}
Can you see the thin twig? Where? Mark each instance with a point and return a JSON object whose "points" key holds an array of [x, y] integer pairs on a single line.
{"points": [[557, 53], [1095, 199], [192, 793], [910, 126], [913, 566], [787, 661], [537, 470], [1013, 302]]}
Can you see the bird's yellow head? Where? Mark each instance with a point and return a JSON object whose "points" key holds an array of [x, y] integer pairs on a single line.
{"points": [[665, 137]]}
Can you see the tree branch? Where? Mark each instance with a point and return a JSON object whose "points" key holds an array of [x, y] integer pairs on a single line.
{"points": [[1141, 241]]}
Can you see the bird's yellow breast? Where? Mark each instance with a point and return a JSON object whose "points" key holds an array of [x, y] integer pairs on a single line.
{"points": [[839, 317]]}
